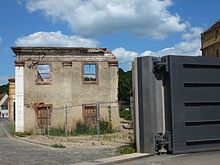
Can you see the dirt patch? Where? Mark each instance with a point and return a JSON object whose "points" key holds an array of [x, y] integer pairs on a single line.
{"points": [[104, 141]]}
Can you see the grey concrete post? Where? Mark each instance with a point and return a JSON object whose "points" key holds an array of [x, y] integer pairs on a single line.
{"points": [[148, 104]]}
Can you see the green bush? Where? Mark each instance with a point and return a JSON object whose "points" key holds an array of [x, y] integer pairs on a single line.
{"points": [[57, 131], [127, 149], [105, 127], [4, 88], [83, 129], [57, 145], [126, 114]]}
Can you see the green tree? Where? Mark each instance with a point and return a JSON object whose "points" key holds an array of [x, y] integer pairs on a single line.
{"points": [[125, 85], [125, 92], [4, 89]]}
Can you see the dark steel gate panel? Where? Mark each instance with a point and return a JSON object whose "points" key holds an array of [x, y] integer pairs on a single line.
{"points": [[192, 101]]}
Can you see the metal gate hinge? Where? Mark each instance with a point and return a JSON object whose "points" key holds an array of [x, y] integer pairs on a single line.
{"points": [[163, 142], [159, 64]]}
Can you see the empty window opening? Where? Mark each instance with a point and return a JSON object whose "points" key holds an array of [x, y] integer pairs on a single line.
{"points": [[89, 72], [43, 72]]}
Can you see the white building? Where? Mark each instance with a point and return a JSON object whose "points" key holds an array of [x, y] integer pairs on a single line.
{"points": [[4, 105]]}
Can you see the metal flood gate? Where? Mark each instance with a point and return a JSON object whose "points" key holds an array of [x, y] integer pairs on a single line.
{"points": [[191, 95], [192, 101]]}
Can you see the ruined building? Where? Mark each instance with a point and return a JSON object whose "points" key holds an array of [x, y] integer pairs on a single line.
{"points": [[211, 40], [60, 86]]}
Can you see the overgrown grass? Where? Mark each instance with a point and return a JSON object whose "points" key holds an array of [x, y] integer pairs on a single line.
{"points": [[126, 149], [84, 129], [80, 129], [129, 148], [105, 127], [57, 145], [23, 134], [10, 127], [57, 132]]}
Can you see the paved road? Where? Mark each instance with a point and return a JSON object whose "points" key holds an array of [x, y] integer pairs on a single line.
{"points": [[16, 152], [204, 158]]}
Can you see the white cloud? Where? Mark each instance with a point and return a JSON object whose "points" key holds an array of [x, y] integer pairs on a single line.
{"points": [[195, 32], [54, 39], [149, 18], [190, 46], [125, 57], [0, 40], [4, 80]]}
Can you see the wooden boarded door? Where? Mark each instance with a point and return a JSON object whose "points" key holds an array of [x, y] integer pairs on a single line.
{"points": [[90, 115], [43, 113]]}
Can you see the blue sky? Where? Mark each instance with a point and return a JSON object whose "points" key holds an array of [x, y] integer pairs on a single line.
{"points": [[129, 28]]}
